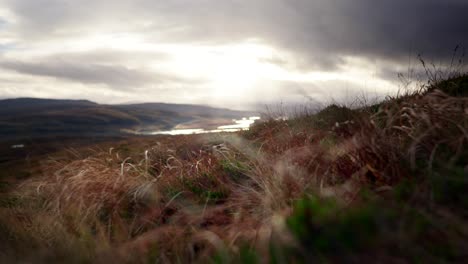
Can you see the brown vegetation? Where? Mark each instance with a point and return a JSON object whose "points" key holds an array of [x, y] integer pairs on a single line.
{"points": [[379, 183]]}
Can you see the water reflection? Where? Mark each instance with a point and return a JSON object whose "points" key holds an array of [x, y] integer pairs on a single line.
{"points": [[242, 124]]}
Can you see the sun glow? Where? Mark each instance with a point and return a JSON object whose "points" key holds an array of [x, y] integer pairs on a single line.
{"points": [[208, 72], [228, 70]]}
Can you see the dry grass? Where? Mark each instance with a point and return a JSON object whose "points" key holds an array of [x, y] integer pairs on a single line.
{"points": [[242, 197]]}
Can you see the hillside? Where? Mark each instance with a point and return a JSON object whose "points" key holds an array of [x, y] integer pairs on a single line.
{"points": [[382, 183], [28, 117]]}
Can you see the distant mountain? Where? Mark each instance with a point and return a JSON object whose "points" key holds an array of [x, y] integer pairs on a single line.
{"points": [[27, 105], [30, 117]]}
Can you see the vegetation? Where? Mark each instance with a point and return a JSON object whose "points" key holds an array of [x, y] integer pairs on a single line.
{"points": [[383, 183]]}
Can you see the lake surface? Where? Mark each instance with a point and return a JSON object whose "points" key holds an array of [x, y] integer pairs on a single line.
{"points": [[238, 125]]}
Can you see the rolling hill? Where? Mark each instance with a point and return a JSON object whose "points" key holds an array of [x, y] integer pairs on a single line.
{"points": [[30, 117]]}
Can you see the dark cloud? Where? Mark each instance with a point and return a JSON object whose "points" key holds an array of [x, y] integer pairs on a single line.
{"points": [[382, 29], [325, 91], [320, 32], [114, 76], [109, 56]]}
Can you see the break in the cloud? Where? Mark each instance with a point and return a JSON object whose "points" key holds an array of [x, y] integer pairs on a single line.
{"points": [[221, 52]]}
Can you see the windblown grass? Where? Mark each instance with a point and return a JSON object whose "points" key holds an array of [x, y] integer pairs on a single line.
{"points": [[379, 183]]}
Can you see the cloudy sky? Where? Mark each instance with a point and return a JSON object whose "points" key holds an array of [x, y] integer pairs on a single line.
{"points": [[233, 53]]}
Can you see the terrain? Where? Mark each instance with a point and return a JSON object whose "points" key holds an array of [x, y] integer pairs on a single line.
{"points": [[381, 183], [33, 118]]}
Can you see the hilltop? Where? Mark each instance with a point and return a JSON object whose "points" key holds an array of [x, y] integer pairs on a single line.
{"points": [[377, 183]]}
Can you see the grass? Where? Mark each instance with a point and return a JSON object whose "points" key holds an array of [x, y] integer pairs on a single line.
{"points": [[383, 183]]}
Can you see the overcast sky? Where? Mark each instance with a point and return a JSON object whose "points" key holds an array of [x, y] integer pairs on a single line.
{"points": [[233, 53]]}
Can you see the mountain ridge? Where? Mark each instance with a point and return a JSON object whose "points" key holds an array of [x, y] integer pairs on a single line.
{"points": [[34, 117]]}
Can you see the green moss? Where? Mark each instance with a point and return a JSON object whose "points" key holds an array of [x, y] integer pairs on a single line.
{"points": [[9, 202], [449, 187], [248, 256], [328, 142], [404, 190], [456, 86], [324, 229], [234, 169], [331, 115], [206, 188]]}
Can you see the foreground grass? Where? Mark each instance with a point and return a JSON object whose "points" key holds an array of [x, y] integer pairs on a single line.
{"points": [[384, 183]]}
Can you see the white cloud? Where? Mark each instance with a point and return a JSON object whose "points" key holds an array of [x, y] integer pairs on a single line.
{"points": [[233, 53]]}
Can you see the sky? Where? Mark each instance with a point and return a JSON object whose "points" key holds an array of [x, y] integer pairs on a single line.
{"points": [[230, 53]]}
